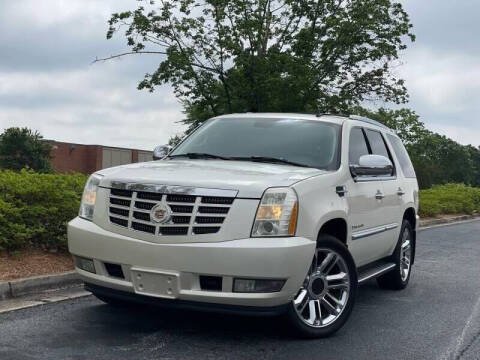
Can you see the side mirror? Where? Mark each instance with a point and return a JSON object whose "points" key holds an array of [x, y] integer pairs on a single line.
{"points": [[161, 151], [372, 165]]}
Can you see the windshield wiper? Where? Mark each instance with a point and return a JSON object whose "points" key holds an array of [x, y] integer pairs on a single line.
{"points": [[267, 159], [194, 155]]}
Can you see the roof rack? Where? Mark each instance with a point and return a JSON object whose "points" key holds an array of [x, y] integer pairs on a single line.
{"points": [[368, 120]]}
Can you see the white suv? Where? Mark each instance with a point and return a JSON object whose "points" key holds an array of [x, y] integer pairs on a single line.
{"points": [[264, 213]]}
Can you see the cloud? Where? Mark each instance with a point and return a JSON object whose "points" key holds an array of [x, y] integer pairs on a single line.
{"points": [[444, 90], [441, 68], [88, 106], [48, 81], [445, 25]]}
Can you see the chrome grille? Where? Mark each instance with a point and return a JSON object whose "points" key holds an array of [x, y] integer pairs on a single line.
{"points": [[191, 214]]}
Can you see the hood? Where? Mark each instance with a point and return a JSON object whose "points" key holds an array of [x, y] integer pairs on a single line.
{"points": [[250, 179]]}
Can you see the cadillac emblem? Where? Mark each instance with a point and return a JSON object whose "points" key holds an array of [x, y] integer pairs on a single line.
{"points": [[161, 213]]}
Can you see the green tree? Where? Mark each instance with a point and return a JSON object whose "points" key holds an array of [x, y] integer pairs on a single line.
{"points": [[475, 155], [436, 158], [404, 121], [224, 56], [23, 148]]}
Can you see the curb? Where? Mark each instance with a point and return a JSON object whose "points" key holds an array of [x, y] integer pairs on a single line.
{"points": [[456, 219], [31, 285]]}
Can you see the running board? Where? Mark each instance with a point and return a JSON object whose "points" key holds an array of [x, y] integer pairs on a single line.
{"points": [[374, 271]]}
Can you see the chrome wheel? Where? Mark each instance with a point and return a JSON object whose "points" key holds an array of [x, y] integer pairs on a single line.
{"points": [[325, 291], [405, 255]]}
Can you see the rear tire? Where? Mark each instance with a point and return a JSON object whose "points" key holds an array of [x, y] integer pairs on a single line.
{"points": [[398, 278], [325, 301]]}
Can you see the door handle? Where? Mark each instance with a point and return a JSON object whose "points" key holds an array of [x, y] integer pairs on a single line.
{"points": [[400, 192], [379, 195]]}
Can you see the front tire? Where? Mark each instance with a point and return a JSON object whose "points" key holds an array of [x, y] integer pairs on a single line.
{"points": [[398, 278], [325, 301]]}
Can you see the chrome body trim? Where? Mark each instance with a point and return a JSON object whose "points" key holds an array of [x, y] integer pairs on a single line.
{"points": [[169, 189], [374, 231], [373, 178]]}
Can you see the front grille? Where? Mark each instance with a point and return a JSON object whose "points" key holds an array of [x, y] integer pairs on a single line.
{"points": [[205, 230], [191, 215], [181, 219], [117, 211], [123, 193], [181, 198], [181, 209], [121, 202], [212, 210], [121, 222], [143, 227], [144, 205], [149, 196], [177, 230], [217, 200], [209, 220], [139, 215]]}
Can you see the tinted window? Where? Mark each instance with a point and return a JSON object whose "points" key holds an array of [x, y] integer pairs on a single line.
{"points": [[376, 143], [357, 146], [402, 156], [309, 142]]}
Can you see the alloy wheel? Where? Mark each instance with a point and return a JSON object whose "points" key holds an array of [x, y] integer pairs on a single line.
{"points": [[325, 291], [405, 255]]}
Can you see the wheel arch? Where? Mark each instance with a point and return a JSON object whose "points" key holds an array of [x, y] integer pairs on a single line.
{"points": [[337, 227], [410, 215]]}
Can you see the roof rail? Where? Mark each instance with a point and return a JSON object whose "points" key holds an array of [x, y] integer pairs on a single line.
{"points": [[368, 120]]}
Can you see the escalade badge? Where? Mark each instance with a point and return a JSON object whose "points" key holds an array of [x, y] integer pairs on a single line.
{"points": [[161, 213]]}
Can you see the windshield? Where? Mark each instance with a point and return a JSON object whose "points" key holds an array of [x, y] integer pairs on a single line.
{"points": [[306, 142]]}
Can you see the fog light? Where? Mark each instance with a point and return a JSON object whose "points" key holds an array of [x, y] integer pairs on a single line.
{"points": [[85, 264], [257, 285]]}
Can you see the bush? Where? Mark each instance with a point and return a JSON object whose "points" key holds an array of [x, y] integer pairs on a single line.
{"points": [[449, 199], [35, 208]]}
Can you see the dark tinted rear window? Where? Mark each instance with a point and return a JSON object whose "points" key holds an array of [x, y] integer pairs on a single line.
{"points": [[402, 156], [376, 143]]}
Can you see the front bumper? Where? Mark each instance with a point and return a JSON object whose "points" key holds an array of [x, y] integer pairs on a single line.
{"points": [[261, 258]]}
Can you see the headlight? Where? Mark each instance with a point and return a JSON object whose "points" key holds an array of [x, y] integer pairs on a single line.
{"points": [[277, 213], [89, 196]]}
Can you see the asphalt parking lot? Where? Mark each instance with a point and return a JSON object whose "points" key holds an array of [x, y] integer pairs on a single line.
{"points": [[436, 317]]}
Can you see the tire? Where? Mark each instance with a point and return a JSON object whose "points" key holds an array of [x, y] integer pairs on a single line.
{"points": [[112, 301], [317, 291], [398, 278]]}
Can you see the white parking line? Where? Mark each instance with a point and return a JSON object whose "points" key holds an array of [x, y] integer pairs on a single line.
{"points": [[454, 350]]}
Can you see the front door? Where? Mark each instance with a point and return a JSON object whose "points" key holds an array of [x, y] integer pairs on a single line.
{"points": [[392, 191], [365, 207]]}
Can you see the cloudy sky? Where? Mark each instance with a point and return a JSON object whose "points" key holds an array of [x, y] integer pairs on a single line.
{"points": [[48, 81]]}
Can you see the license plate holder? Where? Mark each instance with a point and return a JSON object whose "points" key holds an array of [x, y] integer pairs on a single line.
{"points": [[155, 283]]}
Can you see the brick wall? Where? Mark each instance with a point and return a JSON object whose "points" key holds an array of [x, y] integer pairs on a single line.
{"points": [[69, 157]]}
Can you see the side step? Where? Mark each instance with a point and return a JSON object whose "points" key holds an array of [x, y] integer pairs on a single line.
{"points": [[374, 270]]}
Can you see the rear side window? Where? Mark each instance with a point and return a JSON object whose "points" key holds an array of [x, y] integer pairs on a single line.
{"points": [[376, 143], [402, 156], [357, 146]]}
